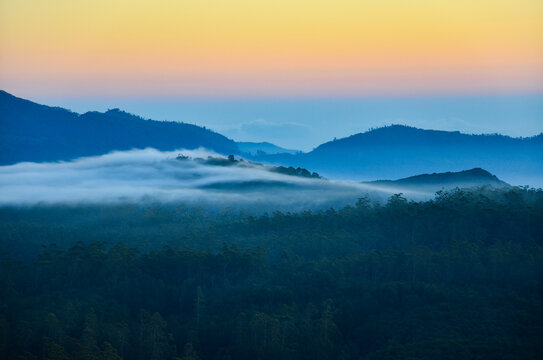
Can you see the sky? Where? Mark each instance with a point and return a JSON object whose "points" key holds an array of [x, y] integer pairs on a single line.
{"points": [[303, 124], [293, 72], [279, 48]]}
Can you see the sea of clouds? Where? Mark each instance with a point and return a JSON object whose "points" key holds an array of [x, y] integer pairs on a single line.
{"points": [[150, 175]]}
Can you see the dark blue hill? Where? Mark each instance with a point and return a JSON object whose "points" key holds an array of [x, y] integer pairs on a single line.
{"points": [[400, 151], [33, 132], [473, 178]]}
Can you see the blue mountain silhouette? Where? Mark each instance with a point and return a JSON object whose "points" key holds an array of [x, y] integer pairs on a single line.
{"points": [[400, 151], [33, 132]]}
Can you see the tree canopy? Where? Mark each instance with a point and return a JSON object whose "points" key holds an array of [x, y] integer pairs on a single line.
{"points": [[459, 276]]}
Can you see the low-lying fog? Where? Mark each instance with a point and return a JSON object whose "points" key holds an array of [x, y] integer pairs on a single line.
{"points": [[153, 176]]}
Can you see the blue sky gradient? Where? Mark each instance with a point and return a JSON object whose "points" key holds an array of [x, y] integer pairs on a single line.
{"points": [[303, 124]]}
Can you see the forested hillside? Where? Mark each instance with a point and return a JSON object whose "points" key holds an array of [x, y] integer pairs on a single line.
{"points": [[460, 276], [399, 151], [466, 179], [37, 133]]}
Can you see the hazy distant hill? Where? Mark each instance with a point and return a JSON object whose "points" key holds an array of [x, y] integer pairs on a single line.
{"points": [[449, 180], [33, 132], [263, 147], [400, 151]]}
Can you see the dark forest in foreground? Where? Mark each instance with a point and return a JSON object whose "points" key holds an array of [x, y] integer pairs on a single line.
{"points": [[460, 276]]}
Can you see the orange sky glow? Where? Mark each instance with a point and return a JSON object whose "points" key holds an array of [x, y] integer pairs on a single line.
{"points": [[233, 48]]}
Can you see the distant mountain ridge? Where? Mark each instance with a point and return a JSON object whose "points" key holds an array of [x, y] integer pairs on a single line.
{"points": [[37, 133], [476, 177], [400, 151], [394, 135], [473, 175], [34, 132], [263, 148]]}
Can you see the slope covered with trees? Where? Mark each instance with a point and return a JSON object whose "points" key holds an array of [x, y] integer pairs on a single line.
{"points": [[37, 133], [459, 276], [33, 132], [400, 151], [467, 179]]}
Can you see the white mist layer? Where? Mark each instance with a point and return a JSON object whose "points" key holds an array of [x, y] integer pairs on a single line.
{"points": [[151, 175]]}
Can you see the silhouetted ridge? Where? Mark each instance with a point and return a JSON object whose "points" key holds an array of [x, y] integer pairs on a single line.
{"points": [[401, 135], [467, 178], [399, 151], [231, 161], [33, 132]]}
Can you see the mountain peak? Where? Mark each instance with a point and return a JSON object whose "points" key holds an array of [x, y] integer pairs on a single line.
{"points": [[475, 177], [394, 127], [397, 136], [115, 111], [471, 175], [34, 132]]}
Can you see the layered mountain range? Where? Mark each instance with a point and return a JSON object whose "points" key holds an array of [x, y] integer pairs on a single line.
{"points": [[30, 132]]}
